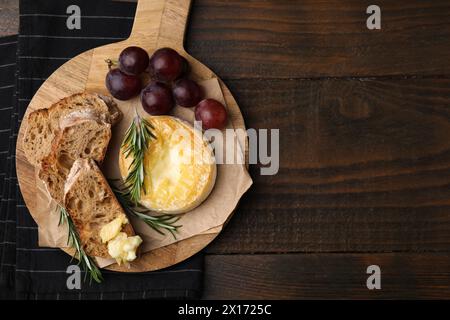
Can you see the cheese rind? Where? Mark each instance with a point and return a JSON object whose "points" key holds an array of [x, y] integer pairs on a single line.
{"points": [[179, 165]]}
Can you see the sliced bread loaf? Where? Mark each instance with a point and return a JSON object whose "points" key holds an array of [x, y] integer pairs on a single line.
{"points": [[79, 137], [91, 204], [44, 124]]}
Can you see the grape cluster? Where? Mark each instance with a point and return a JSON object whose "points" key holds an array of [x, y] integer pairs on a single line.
{"points": [[169, 85]]}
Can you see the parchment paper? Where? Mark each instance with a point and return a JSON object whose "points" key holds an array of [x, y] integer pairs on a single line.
{"points": [[232, 182]]}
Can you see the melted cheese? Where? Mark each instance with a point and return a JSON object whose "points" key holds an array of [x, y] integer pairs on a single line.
{"points": [[112, 229], [120, 246], [123, 248], [179, 165]]}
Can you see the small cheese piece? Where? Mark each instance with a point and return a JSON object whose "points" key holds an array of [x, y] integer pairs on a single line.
{"points": [[123, 248], [112, 229]]}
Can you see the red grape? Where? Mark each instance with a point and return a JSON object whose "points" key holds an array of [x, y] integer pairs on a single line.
{"points": [[166, 64], [133, 60], [187, 93], [122, 86], [157, 99], [211, 113]]}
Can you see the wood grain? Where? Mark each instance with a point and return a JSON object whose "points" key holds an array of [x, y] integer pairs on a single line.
{"points": [[326, 276], [328, 38], [307, 39], [157, 23], [364, 166], [364, 162], [9, 17]]}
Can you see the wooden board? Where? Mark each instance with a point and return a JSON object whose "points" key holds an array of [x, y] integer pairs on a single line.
{"points": [[158, 23]]}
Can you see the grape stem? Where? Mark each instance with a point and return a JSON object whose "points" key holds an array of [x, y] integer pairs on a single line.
{"points": [[111, 63]]}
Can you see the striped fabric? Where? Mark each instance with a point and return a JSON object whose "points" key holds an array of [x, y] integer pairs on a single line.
{"points": [[44, 44], [8, 118]]}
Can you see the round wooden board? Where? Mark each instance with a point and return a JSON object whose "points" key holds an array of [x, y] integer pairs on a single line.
{"points": [[158, 23]]}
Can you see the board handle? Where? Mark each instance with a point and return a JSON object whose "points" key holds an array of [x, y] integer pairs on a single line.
{"points": [[161, 22]]}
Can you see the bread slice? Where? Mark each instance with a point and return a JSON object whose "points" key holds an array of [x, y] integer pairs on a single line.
{"points": [[44, 124], [91, 204], [78, 138]]}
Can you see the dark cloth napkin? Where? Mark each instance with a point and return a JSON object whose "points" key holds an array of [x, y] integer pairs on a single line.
{"points": [[44, 44], [8, 123]]}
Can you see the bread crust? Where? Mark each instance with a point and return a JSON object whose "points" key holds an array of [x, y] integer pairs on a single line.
{"points": [[55, 166], [44, 124], [65, 141], [86, 177]]}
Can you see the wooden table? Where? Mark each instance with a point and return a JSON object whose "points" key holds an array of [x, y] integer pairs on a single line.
{"points": [[364, 119]]}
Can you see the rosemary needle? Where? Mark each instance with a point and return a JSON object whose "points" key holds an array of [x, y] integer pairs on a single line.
{"points": [[157, 223], [86, 262], [135, 145]]}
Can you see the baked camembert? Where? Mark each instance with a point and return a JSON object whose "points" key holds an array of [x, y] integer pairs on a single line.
{"points": [[180, 168]]}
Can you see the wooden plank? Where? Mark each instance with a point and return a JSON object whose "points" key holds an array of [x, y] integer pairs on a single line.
{"points": [[310, 38], [326, 276], [291, 39], [365, 166], [9, 17]]}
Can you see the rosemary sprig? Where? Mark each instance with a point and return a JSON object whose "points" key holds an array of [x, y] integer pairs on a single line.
{"points": [[166, 221], [85, 262], [135, 144]]}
